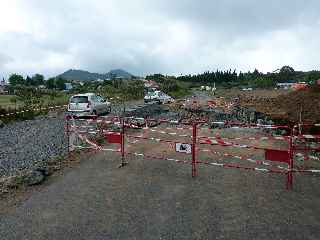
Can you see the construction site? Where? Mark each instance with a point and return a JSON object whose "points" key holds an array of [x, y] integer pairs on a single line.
{"points": [[262, 130], [232, 165]]}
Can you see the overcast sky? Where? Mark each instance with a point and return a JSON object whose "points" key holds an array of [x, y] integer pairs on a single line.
{"points": [[157, 36]]}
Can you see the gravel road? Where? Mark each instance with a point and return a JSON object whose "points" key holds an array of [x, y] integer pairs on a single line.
{"points": [[151, 199]]}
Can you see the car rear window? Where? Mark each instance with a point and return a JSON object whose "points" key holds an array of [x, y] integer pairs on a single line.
{"points": [[79, 99]]}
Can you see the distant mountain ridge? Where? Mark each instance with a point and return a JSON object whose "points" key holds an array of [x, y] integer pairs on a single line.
{"points": [[118, 73], [75, 74]]}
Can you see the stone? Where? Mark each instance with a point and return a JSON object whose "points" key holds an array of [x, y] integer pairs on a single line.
{"points": [[34, 178], [13, 181]]}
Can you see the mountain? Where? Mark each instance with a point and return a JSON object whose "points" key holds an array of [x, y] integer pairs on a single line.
{"points": [[118, 73], [81, 75]]}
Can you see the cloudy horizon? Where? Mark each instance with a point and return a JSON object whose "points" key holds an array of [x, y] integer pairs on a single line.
{"points": [[144, 37]]}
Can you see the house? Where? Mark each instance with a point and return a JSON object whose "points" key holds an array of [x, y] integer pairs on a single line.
{"points": [[285, 85], [3, 87], [300, 85], [68, 86], [151, 84]]}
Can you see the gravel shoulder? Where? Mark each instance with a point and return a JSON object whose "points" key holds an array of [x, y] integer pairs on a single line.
{"points": [[151, 199], [27, 143]]}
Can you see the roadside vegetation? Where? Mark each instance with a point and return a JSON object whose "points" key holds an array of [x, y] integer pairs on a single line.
{"points": [[124, 89], [171, 85], [37, 92], [28, 103], [256, 79], [27, 95]]}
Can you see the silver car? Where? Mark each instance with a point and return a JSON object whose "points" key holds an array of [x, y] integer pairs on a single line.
{"points": [[159, 97], [88, 104]]}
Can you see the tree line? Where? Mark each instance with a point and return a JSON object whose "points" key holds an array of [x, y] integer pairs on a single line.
{"points": [[231, 78], [37, 80]]}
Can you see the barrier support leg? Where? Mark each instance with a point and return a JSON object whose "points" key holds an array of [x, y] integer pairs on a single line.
{"points": [[68, 142], [68, 137], [290, 174], [123, 160], [194, 141]]}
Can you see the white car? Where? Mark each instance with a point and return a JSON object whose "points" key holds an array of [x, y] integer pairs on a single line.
{"points": [[247, 89], [88, 104], [159, 97]]}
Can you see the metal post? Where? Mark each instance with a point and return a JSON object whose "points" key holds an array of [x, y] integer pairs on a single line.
{"points": [[123, 160], [289, 174], [194, 141], [68, 136], [68, 141]]}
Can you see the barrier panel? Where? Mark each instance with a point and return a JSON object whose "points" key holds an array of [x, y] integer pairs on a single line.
{"points": [[126, 135]]}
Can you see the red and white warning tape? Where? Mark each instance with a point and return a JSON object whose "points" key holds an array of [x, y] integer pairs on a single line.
{"points": [[240, 157], [224, 138], [261, 138], [233, 165], [306, 170], [102, 149], [152, 139], [308, 137], [229, 144], [31, 110], [158, 158], [93, 145], [281, 170], [307, 157], [224, 165]]}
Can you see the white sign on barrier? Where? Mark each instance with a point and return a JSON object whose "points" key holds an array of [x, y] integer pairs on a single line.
{"points": [[183, 148]]}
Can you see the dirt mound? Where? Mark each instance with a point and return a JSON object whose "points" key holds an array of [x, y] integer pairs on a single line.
{"points": [[304, 102], [287, 107]]}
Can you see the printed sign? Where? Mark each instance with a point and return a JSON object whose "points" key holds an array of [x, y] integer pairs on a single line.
{"points": [[183, 148]]}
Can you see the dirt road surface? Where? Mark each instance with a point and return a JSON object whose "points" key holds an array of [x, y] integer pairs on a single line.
{"points": [[151, 199]]}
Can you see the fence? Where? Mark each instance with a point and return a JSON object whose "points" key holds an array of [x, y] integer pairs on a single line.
{"points": [[189, 139], [5, 115]]}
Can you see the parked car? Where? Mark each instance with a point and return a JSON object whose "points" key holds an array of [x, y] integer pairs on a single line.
{"points": [[159, 97], [247, 89], [88, 104]]}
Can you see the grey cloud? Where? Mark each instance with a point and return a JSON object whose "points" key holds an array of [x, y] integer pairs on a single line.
{"points": [[165, 36]]}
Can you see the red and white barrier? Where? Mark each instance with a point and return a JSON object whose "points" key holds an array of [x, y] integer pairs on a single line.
{"points": [[283, 156], [239, 157]]}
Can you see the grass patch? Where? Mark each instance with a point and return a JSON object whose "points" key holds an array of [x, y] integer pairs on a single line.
{"points": [[180, 93]]}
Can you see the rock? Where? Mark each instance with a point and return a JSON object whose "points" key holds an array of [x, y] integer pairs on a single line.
{"points": [[34, 178], [13, 181], [1, 124], [45, 171]]}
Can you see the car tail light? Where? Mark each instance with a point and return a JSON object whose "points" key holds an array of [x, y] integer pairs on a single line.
{"points": [[89, 104]]}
